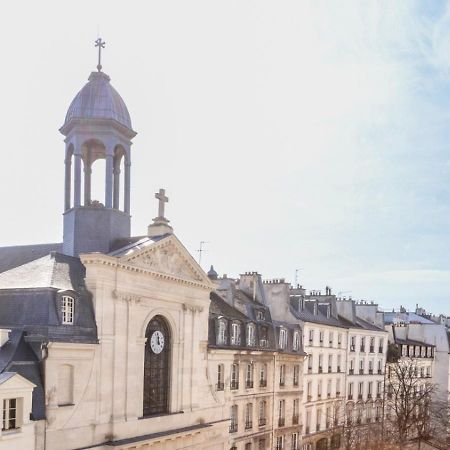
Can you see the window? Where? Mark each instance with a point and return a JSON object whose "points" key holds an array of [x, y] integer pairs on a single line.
{"points": [[296, 341], [296, 374], [320, 363], [259, 315], [262, 444], [351, 369], [310, 363], [328, 417], [11, 419], [67, 309], [369, 390], [338, 386], [234, 382], [308, 422], [321, 337], [311, 337], [295, 411], [281, 407], [283, 338], [350, 391], [329, 389], [222, 336], [363, 344], [372, 345], [220, 377], [294, 441], [319, 389], [249, 376], [249, 416], [352, 343], [282, 374], [251, 335], [280, 443], [234, 419], [308, 391], [263, 341], [361, 366], [360, 389], [319, 419], [262, 413], [235, 334], [263, 375], [380, 346], [370, 367], [248, 446], [339, 359], [380, 370], [330, 339], [379, 387], [330, 363]]}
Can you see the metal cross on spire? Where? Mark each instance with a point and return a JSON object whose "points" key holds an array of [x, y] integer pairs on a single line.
{"points": [[100, 44], [161, 196]]}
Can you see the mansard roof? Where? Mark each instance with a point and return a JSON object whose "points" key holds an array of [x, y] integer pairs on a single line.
{"points": [[15, 256], [29, 299]]}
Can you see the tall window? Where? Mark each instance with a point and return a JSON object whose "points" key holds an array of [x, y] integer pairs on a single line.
{"points": [[330, 339], [222, 336], [352, 343], [283, 338], [280, 443], [308, 391], [294, 441], [156, 367], [234, 379], [235, 334], [234, 419], [249, 416], [282, 374], [319, 389], [328, 388], [249, 376], [263, 375], [67, 309], [338, 386], [281, 408], [319, 419], [363, 344], [361, 366], [310, 362], [220, 377], [250, 335], [262, 412], [10, 414], [339, 359], [320, 363], [296, 342], [330, 363], [296, 374], [370, 389], [295, 411], [339, 339], [350, 391], [360, 389], [311, 337]]}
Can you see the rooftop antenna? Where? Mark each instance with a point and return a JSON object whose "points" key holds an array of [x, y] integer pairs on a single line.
{"points": [[296, 277], [200, 251]]}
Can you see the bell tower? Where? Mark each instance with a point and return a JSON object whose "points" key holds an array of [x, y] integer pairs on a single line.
{"points": [[97, 127]]}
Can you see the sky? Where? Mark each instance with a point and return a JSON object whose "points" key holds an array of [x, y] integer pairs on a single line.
{"points": [[309, 135]]}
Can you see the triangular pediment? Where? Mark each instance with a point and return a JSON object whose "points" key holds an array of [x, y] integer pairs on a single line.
{"points": [[169, 257]]}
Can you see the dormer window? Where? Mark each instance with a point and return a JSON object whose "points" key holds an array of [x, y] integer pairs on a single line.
{"points": [[235, 334], [296, 341], [250, 335], [259, 315], [283, 338], [221, 337], [67, 309]]}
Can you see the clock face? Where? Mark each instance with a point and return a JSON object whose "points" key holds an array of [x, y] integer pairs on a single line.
{"points": [[157, 342]]}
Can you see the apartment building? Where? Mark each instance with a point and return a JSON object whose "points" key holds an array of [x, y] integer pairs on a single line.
{"points": [[255, 364]]}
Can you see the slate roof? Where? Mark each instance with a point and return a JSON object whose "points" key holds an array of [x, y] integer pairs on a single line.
{"points": [[125, 246], [29, 299], [412, 342], [408, 317], [11, 257]]}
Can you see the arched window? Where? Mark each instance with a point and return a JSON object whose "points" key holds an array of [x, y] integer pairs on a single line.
{"points": [[157, 367], [65, 385]]}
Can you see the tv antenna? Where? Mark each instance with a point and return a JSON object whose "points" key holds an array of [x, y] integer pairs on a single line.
{"points": [[200, 251]]}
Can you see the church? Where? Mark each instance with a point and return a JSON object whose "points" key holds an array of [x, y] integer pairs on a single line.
{"points": [[112, 340]]}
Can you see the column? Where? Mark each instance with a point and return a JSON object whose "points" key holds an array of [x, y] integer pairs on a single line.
{"points": [[87, 181], [68, 179], [127, 186], [116, 198], [77, 181], [109, 181]]}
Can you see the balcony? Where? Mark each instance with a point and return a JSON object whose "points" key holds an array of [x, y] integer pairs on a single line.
{"points": [[371, 349], [369, 395], [220, 386], [262, 421], [362, 349], [281, 422], [351, 371], [248, 384], [380, 372], [350, 397], [338, 393], [339, 369], [359, 396], [370, 371], [248, 425], [295, 419], [330, 369], [233, 428], [262, 383], [378, 395], [380, 349], [361, 371], [320, 369], [234, 385]]}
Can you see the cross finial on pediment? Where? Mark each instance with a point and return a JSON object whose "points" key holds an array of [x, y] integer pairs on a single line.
{"points": [[161, 196]]}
